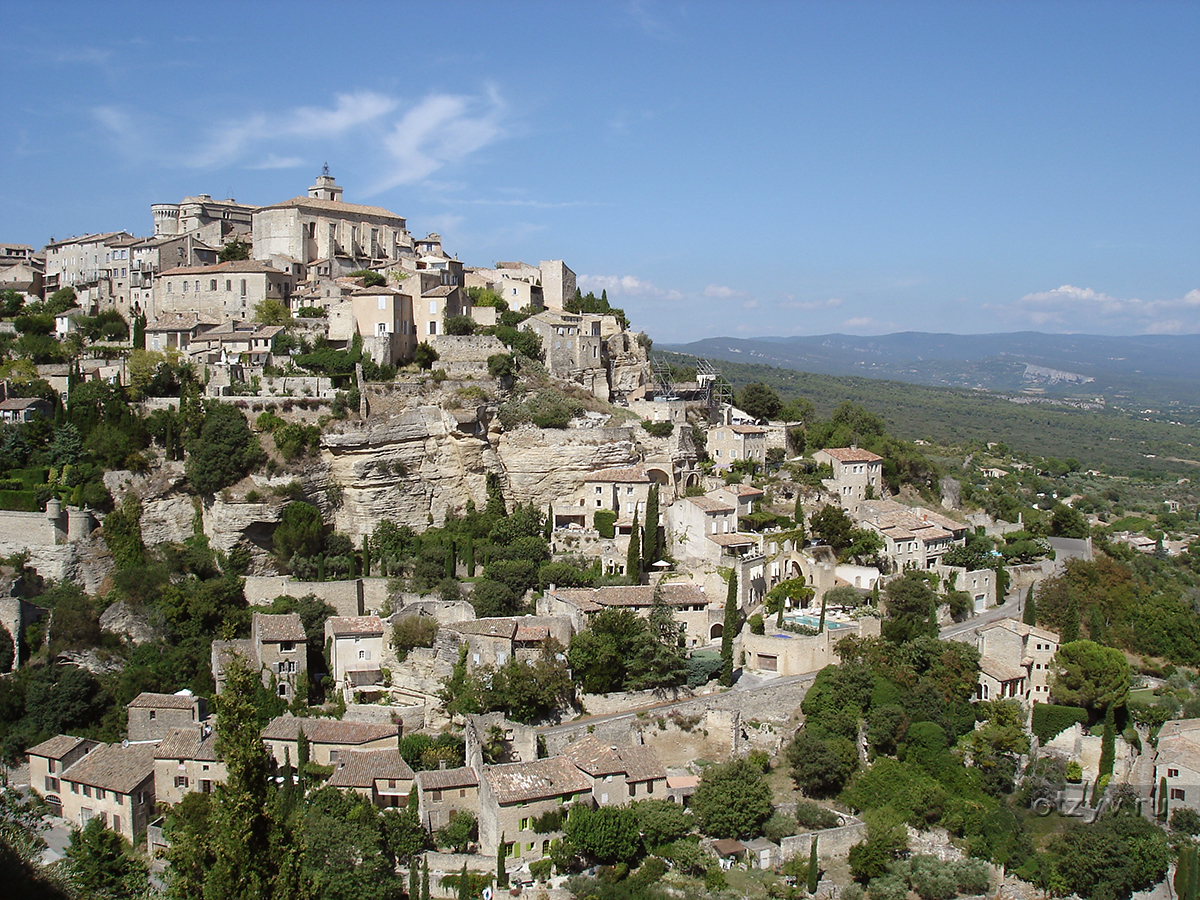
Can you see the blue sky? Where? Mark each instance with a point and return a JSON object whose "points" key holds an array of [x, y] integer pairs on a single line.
{"points": [[721, 168]]}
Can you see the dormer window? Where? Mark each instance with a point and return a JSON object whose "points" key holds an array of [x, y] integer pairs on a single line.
{"points": [[287, 646]]}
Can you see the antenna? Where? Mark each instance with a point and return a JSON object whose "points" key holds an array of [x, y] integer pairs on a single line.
{"points": [[325, 169]]}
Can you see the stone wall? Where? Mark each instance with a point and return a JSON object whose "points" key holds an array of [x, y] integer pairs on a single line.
{"points": [[831, 842], [466, 348], [352, 597]]}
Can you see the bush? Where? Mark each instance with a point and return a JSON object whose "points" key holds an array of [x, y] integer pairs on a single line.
{"points": [[1185, 820], [1050, 720], [425, 356], [369, 278], [932, 879], [702, 667], [548, 408], [889, 887], [814, 817], [413, 631], [974, 876], [502, 365], [756, 624], [658, 429], [605, 522], [852, 891], [458, 325]]}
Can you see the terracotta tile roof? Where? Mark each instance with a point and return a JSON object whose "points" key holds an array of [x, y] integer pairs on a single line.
{"points": [[327, 731], [742, 490], [180, 322], [851, 454], [682, 782], [58, 746], [531, 633], [147, 700], [355, 625], [190, 742], [747, 429], [360, 768], [114, 768], [711, 504], [442, 290], [334, 206], [1028, 631], [505, 628], [244, 266], [22, 403], [445, 779], [274, 628], [733, 540], [535, 780], [594, 757], [998, 670], [620, 475], [673, 594]]}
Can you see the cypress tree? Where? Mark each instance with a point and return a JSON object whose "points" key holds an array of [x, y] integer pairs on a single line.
{"points": [[414, 880], [1030, 616], [1108, 743], [798, 512], [1070, 629], [821, 624], [301, 758], [366, 556], [727, 630], [813, 871], [464, 885], [549, 529], [1162, 798], [321, 567], [469, 556], [451, 559], [633, 567], [501, 871], [425, 880], [650, 542]]}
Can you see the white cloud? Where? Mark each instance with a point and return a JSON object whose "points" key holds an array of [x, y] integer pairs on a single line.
{"points": [[866, 323], [441, 129], [750, 304], [1074, 308], [628, 285], [717, 290], [831, 303], [437, 131]]}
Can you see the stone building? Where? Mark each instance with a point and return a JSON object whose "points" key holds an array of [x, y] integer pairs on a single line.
{"points": [[912, 537], [1015, 662], [114, 783], [151, 716], [380, 775], [277, 647], [322, 227], [444, 793], [215, 222], [690, 605], [1177, 761], [382, 317], [79, 262], [229, 290], [50, 759], [328, 739], [728, 444], [619, 774], [857, 474], [356, 646], [186, 761], [513, 795]]}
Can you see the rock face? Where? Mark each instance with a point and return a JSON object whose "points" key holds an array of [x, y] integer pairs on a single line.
{"points": [[541, 465], [128, 622], [628, 364]]}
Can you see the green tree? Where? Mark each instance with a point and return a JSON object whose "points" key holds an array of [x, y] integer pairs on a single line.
{"points": [[732, 800], [813, 871], [1089, 675], [759, 400], [234, 251], [608, 834], [633, 560], [821, 766], [651, 541], [272, 312], [729, 629], [833, 526], [102, 865], [1068, 522], [224, 452], [501, 869], [661, 822], [300, 532], [425, 356], [1029, 614], [911, 608], [459, 832]]}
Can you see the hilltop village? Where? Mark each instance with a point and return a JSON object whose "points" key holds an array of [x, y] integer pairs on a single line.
{"points": [[420, 578]]}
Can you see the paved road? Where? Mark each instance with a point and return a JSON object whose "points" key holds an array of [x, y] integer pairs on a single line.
{"points": [[960, 631]]}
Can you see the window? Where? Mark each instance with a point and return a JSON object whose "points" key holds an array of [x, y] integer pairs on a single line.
{"points": [[51, 783], [433, 327], [87, 790], [433, 307], [435, 795], [153, 714], [362, 654], [116, 823], [1172, 773], [291, 666], [333, 756], [212, 284], [525, 824], [52, 765], [185, 287], [197, 285], [283, 690], [243, 287], [287, 646], [1178, 794], [181, 781], [649, 787], [74, 787], [228, 284], [632, 790]]}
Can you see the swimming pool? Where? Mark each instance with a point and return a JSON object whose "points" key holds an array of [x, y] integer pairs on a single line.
{"points": [[815, 621]]}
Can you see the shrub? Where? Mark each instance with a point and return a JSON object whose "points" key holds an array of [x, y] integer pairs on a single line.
{"points": [[1185, 820], [1050, 720], [458, 325], [815, 817], [369, 278], [889, 887], [852, 891], [502, 365], [413, 631], [605, 522], [658, 429], [756, 624], [702, 667], [973, 875], [932, 879], [425, 356]]}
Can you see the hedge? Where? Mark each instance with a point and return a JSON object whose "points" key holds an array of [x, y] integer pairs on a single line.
{"points": [[19, 501], [605, 521], [1050, 720]]}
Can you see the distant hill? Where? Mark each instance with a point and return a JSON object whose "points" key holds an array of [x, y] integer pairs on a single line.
{"points": [[1156, 372]]}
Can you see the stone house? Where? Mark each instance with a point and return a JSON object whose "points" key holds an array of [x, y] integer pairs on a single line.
{"points": [[513, 795], [619, 774], [185, 761], [856, 474], [705, 529], [355, 649], [1178, 761], [328, 739], [177, 331], [489, 641], [622, 490], [444, 793], [689, 603], [728, 444], [114, 783], [147, 258], [276, 646], [381, 774], [151, 716], [50, 759], [235, 341], [382, 317], [437, 304], [77, 262], [570, 341], [322, 227], [1015, 660], [790, 653], [23, 276], [229, 290], [15, 410]]}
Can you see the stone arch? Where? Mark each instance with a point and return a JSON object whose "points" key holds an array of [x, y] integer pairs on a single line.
{"points": [[715, 631], [658, 476], [691, 480]]}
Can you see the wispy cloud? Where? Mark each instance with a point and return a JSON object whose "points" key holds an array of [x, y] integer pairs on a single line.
{"points": [[721, 292], [430, 134], [831, 303], [629, 285], [867, 323], [1074, 308]]}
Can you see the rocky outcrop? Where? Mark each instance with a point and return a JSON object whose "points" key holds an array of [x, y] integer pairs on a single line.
{"points": [[541, 465], [93, 661], [628, 364], [132, 623]]}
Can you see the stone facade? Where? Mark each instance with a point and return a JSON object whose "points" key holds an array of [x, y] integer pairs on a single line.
{"points": [[151, 716], [229, 290], [1015, 661], [855, 474]]}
